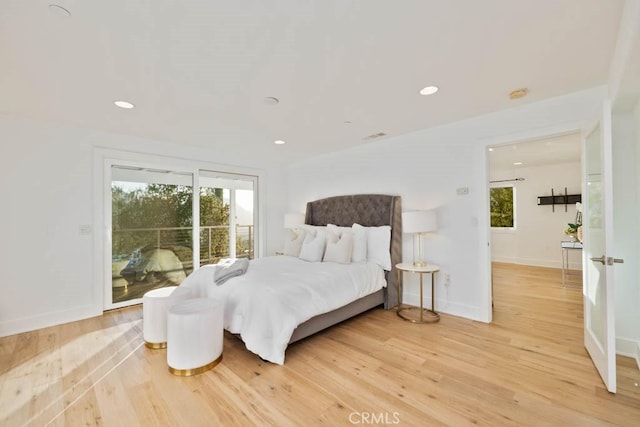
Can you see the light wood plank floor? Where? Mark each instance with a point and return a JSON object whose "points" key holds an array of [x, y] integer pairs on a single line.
{"points": [[528, 367]]}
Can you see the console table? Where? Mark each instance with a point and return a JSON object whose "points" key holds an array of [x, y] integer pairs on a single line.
{"points": [[566, 247]]}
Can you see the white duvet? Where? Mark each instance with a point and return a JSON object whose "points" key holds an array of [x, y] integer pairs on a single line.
{"points": [[276, 294]]}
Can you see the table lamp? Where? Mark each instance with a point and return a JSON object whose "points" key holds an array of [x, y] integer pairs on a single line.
{"points": [[419, 223]]}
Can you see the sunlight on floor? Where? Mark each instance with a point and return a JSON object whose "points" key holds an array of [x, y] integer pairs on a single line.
{"points": [[55, 373]]}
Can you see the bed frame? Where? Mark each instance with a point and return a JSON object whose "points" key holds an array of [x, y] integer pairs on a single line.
{"points": [[368, 210]]}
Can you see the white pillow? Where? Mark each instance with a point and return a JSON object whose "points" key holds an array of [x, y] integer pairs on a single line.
{"points": [[293, 242], [338, 230], [378, 245], [359, 253], [339, 249], [313, 247]]}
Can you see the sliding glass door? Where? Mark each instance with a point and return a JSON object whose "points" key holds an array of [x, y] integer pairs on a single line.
{"points": [[151, 230], [153, 226], [227, 223]]}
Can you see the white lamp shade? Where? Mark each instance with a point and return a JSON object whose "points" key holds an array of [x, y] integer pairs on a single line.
{"points": [[292, 220], [419, 222]]}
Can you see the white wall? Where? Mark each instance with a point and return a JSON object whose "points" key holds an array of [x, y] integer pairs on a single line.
{"points": [[625, 204], [47, 185], [426, 168], [624, 85], [539, 230], [636, 284]]}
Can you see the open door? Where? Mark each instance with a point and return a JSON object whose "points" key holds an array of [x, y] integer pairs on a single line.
{"points": [[598, 290]]}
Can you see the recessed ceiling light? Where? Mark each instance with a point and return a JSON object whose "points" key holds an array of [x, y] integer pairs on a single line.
{"points": [[271, 100], [429, 90], [518, 93], [58, 10], [278, 142], [517, 163], [124, 104], [490, 149]]}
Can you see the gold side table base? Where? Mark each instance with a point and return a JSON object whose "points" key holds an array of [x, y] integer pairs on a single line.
{"points": [[194, 371], [417, 314], [412, 314]]}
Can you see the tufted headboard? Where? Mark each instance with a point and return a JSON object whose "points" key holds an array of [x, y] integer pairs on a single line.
{"points": [[368, 210]]}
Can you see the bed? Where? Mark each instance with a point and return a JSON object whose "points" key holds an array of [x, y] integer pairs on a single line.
{"points": [[282, 299]]}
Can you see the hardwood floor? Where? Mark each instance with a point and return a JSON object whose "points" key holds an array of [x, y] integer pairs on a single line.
{"points": [[528, 367]]}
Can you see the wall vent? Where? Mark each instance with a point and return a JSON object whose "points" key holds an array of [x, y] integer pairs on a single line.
{"points": [[374, 136]]}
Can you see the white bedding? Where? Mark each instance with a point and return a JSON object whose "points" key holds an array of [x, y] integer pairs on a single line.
{"points": [[276, 294]]}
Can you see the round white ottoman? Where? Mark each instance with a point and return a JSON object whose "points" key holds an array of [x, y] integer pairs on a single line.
{"points": [[155, 305], [194, 336]]}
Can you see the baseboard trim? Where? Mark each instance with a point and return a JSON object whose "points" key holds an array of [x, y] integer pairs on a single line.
{"points": [[443, 306], [26, 324], [627, 347]]}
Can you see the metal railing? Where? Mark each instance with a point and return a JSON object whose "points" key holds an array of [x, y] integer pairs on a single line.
{"points": [[214, 241]]}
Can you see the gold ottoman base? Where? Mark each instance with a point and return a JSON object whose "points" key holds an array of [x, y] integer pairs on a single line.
{"points": [[155, 345], [195, 371]]}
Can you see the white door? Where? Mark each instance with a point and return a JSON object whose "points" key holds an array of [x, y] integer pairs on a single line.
{"points": [[598, 290]]}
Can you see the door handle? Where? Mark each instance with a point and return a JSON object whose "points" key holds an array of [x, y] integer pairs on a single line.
{"points": [[607, 260]]}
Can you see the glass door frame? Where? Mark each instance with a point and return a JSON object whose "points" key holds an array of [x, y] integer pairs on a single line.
{"points": [[104, 159], [232, 209], [602, 350], [108, 246]]}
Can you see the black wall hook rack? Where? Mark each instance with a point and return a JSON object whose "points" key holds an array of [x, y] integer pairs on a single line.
{"points": [[559, 199]]}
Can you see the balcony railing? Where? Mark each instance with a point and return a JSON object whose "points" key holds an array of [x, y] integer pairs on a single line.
{"points": [[214, 242]]}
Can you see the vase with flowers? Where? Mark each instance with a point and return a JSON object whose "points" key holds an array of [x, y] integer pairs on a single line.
{"points": [[574, 230]]}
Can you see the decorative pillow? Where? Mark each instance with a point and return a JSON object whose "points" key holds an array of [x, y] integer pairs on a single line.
{"points": [[359, 253], [339, 249], [313, 247], [293, 242], [337, 230], [378, 244]]}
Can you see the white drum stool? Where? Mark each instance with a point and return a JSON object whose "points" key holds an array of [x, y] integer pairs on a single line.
{"points": [[155, 305], [194, 336]]}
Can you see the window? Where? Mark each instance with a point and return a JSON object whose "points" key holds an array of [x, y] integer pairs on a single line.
{"points": [[501, 204]]}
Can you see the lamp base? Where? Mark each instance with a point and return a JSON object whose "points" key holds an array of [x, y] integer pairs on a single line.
{"points": [[419, 264]]}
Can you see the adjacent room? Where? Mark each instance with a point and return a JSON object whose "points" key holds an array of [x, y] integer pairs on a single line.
{"points": [[333, 212], [536, 191]]}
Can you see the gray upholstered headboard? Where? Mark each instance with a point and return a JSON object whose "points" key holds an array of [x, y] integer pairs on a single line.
{"points": [[368, 210]]}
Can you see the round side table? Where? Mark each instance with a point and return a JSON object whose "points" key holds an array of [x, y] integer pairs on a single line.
{"points": [[418, 314]]}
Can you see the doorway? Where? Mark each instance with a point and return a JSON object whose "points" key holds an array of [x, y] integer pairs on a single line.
{"points": [[525, 230]]}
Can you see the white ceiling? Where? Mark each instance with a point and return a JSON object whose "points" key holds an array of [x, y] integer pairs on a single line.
{"points": [[198, 71], [547, 151]]}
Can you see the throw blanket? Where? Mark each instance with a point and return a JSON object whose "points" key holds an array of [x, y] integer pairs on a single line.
{"points": [[214, 275], [278, 293], [228, 268]]}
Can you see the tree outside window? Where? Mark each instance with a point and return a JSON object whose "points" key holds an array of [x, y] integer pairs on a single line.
{"points": [[501, 205]]}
